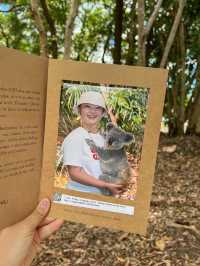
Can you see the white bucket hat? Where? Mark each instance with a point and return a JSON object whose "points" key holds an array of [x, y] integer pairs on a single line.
{"points": [[92, 97]]}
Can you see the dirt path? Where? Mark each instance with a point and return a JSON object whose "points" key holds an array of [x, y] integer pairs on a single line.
{"points": [[173, 237]]}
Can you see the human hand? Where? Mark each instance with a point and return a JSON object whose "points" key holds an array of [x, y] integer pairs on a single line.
{"points": [[115, 189], [20, 242]]}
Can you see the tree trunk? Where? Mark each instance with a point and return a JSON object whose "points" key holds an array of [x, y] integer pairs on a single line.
{"points": [[69, 27], [181, 113], [131, 36], [52, 28], [109, 110], [171, 121], [144, 31], [189, 108], [178, 92], [141, 39], [118, 31], [175, 96], [172, 33], [40, 26], [152, 18], [106, 44], [194, 118], [194, 122]]}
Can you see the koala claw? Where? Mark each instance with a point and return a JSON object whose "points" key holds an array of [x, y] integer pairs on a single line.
{"points": [[90, 143]]}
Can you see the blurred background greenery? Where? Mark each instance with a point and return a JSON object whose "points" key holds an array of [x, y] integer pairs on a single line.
{"points": [[144, 33]]}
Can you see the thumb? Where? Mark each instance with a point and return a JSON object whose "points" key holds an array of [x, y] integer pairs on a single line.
{"points": [[35, 218]]}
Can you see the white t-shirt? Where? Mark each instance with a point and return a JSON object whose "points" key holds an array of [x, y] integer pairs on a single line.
{"points": [[76, 152]]}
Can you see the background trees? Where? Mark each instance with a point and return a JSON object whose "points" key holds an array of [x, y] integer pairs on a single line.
{"points": [[148, 33]]}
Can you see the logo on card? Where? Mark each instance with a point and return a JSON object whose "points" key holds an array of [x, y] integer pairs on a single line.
{"points": [[57, 196]]}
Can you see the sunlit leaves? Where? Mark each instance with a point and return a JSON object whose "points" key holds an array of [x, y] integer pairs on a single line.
{"points": [[130, 106]]}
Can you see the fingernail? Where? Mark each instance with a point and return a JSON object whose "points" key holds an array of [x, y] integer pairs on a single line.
{"points": [[44, 204]]}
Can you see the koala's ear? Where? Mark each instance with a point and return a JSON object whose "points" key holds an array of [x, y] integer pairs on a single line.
{"points": [[109, 126], [129, 138]]}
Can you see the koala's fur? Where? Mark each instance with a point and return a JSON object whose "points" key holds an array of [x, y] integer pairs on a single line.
{"points": [[113, 160]]}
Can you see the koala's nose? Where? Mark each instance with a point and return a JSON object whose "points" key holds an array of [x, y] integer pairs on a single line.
{"points": [[110, 141], [129, 137]]}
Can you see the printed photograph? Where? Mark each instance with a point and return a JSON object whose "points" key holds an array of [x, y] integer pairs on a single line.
{"points": [[100, 137]]}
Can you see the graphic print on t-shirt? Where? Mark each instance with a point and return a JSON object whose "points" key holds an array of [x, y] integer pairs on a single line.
{"points": [[95, 155]]}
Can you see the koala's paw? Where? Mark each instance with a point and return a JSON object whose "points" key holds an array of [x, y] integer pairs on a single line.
{"points": [[90, 143]]}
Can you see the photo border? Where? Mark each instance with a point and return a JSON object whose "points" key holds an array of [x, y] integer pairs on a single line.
{"points": [[155, 80]]}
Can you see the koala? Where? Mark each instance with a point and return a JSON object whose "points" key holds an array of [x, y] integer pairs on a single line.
{"points": [[113, 160]]}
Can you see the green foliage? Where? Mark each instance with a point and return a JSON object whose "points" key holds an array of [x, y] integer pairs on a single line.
{"points": [[69, 97], [129, 105], [93, 40], [94, 25], [17, 29]]}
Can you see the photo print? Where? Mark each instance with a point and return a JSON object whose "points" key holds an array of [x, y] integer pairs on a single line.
{"points": [[110, 154]]}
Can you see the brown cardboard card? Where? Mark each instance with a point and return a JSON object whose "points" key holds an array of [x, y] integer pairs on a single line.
{"points": [[129, 211], [22, 102], [28, 156]]}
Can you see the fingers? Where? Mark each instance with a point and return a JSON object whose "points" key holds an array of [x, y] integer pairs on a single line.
{"points": [[46, 221], [37, 216], [47, 230], [118, 188]]}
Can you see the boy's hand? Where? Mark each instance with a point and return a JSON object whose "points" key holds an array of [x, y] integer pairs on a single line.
{"points": [[115, 189]]}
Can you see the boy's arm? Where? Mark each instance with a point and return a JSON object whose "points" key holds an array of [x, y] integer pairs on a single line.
{"points": [[79, 175]]}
